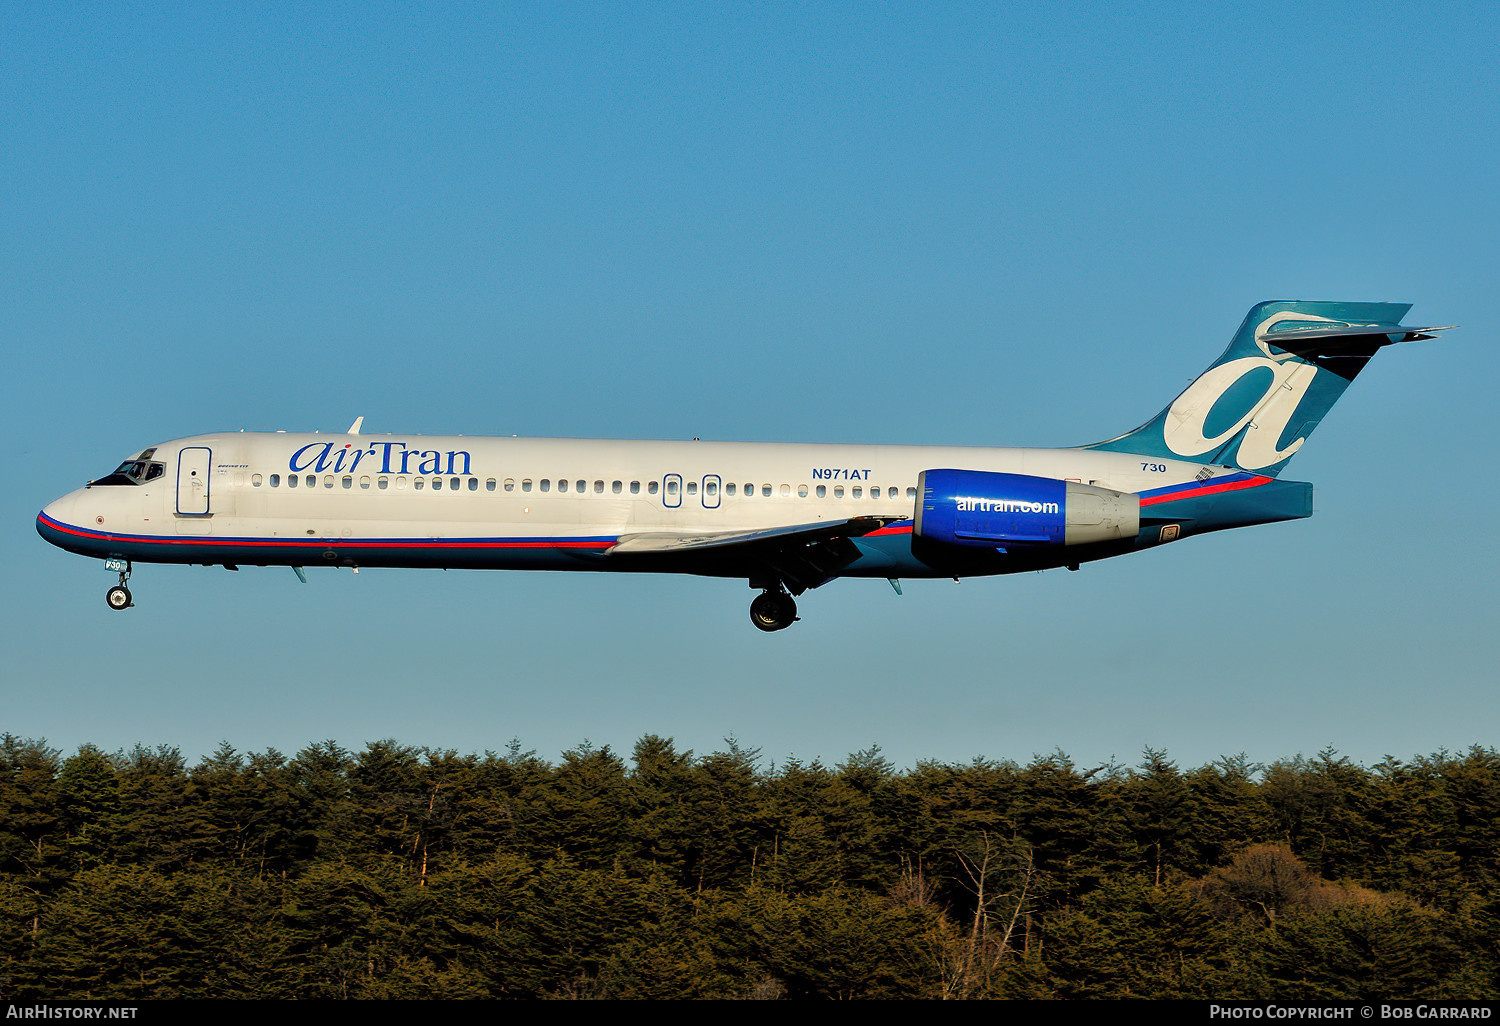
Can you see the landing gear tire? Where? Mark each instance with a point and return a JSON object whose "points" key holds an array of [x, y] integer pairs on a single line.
{"points": [[118, 597], [773, 611]]}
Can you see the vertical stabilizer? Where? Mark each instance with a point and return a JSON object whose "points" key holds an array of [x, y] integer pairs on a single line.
{"points": [[1286, 366]]}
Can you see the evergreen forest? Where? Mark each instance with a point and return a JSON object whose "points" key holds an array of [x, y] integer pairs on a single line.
{"points": [[408, 872]]}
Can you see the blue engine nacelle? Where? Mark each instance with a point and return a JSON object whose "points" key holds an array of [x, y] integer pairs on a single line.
{"points": [[994, 510]]}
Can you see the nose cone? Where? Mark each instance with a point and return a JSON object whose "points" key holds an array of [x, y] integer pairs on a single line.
{"points": [[57, 523], [57, 512], [59, 508]]}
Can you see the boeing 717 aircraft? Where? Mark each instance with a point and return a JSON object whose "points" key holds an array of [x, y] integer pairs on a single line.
{"points": [[785, 517]]}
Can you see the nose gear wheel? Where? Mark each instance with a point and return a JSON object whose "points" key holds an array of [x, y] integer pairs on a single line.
{"points": [[118, 597]]}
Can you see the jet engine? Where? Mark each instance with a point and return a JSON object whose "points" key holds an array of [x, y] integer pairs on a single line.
{"points": [[1005, 511]]}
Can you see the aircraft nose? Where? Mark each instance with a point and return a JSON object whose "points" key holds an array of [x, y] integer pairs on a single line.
{"points": [[57, 516], [59, 509], [59, 523]]}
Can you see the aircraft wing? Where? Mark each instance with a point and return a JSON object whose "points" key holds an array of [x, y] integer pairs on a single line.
{"points": [[802, 555]]}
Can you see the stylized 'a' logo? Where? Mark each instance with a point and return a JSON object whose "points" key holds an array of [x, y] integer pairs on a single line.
{"points": [[1256, 395], [1265, 414]]}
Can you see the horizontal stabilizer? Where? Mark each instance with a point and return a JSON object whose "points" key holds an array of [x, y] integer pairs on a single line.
{"points": [[1334, 340]]}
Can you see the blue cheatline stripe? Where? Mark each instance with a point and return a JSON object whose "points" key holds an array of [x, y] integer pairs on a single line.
{"points": [[588, 542]]}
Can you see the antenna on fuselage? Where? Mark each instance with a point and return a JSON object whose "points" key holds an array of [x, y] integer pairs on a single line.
{"points": [[354, 428]]}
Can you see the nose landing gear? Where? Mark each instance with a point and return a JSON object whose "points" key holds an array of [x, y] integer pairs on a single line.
{"points": [[773, 610], [118, 597]]}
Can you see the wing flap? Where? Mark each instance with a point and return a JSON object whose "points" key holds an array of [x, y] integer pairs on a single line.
{"points": [[654, 542], [799, 556]]}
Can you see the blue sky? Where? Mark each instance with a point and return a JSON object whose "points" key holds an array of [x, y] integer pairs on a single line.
{"points": [[1018, 224]]}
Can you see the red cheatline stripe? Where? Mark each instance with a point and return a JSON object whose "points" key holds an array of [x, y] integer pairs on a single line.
{"points": [[326, 543], [1210, 489]]}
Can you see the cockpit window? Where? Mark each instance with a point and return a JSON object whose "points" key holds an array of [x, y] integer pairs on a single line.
{"points": [[134, 472]]}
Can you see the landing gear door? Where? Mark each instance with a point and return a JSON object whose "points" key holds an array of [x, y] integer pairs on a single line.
{"points": [[192, 482]]}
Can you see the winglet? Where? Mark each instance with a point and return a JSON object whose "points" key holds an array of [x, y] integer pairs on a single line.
{"points": [[354, 428]]}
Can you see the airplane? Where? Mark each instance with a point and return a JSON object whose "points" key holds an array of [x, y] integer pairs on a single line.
{"points": [[785, 517]]}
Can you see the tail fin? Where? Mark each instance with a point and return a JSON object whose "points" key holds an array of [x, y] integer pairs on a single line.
{"points": [[1285, 367]]}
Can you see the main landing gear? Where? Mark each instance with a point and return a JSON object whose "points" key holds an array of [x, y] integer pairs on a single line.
{"points": [[118, 597], [773, 610]]}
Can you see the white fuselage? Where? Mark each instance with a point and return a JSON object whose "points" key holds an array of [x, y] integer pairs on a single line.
{"points": [[410, 500]]}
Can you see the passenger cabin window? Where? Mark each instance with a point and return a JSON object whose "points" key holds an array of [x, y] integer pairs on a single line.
{"points": [[562, 486], [275, 480]]}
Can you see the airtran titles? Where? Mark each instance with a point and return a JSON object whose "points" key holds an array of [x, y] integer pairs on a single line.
{"points": [[393, 457], [980, 504]]}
